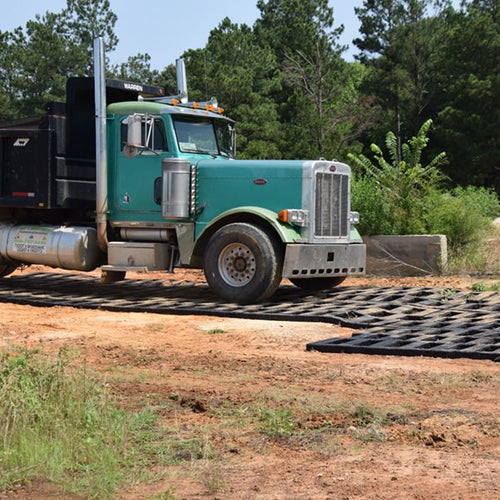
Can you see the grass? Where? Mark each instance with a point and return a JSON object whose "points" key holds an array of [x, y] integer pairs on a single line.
{"points": [[59, 425], [486, 287], [216, 331], [481, 256]]}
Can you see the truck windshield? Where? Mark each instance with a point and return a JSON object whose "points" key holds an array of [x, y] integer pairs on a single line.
{"points": [[203, 135]]}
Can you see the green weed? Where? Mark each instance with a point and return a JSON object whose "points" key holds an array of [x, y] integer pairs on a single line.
{"points": [[484, 287], [277, 422], [59, 425], [215, 331]]}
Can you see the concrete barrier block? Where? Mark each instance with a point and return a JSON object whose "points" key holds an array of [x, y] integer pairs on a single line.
{"points": [[406, 255]]}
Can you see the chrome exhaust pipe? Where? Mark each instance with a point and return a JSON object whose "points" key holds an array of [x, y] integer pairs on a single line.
{"points": [[182, 89], [100, 143]]}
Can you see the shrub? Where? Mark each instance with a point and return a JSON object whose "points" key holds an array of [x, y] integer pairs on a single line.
{"points": [[368, 200], [464, 216], [402, 183], [401, 196]]}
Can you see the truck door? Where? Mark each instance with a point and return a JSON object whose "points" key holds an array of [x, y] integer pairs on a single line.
{"points": [[136, 173]]}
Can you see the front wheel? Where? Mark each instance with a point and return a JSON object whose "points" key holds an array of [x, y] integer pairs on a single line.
{"points": [[243, 263], [317, 284]]}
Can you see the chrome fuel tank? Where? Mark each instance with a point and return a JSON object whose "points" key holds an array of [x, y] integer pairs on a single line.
{"points": [[66, 247]]}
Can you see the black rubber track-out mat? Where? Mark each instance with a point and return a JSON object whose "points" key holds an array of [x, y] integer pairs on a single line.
{"points": [[397, 320]]}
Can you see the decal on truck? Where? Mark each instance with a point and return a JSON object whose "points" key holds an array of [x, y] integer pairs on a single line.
{"points": [[133, 86], [31, 239], [21, 142]]}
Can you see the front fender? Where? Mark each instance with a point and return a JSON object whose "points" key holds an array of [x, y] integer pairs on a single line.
{"points": [[354, 235], [286, 232], [261, 216]]}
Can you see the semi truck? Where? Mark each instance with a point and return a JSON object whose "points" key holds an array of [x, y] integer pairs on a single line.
{"points": [[121, 177]]}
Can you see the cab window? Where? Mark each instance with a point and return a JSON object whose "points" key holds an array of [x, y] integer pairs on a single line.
{"points": [[153, 135]]}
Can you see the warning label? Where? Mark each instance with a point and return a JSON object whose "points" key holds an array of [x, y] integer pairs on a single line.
{"points": [[31, 240]]}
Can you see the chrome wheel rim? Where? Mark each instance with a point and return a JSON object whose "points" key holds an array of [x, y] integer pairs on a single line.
{"points": [[237, 264]]}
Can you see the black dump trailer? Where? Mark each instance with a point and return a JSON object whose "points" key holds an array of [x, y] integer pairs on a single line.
{"points": [[47, 163]]}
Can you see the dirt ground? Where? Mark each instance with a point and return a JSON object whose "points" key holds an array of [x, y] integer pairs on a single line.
{"points": [[363, 426]]}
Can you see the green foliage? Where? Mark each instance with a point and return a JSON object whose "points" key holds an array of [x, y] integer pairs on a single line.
{"points": [[364, 414], [464, 215], [368, 200], [467, 92], [277, 423], [403, 182], [242, 74], [428, 60], [401, 196], [463, 210], [64, 427], [398, 47], [36, 60], [137, 68], [290, 26], [484, 287], [287, 85], [319, 101]]}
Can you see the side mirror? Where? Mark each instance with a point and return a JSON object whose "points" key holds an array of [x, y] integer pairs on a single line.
{"points": [[134, 131]]}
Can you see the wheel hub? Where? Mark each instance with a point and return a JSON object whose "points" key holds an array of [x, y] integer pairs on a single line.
{"points": [[240, 264], [237, 264]]}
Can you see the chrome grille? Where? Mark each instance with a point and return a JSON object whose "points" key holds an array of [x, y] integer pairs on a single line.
{"points": [[331, 217]]}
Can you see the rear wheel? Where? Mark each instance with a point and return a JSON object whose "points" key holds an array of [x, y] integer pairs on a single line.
{"points": [[317, 284], [243, 263]]}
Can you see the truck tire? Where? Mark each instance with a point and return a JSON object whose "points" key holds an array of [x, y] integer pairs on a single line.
{"points": [[6, 269], [317, 284], [243, 263]]}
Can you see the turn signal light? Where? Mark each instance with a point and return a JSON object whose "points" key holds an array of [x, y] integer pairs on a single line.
{"points": [[294, 216]]}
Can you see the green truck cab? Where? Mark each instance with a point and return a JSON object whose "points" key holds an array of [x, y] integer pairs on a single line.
{"points": [[165, 190]]}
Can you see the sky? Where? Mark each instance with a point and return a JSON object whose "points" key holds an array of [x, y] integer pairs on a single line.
{"points": [[171, 27], [165, 29]]}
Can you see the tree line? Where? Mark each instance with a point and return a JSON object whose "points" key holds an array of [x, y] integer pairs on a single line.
{"points": [[286, 81]]}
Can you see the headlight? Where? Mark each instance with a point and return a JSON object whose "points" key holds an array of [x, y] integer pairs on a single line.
{"points": [[354, 217], [294, 216]]}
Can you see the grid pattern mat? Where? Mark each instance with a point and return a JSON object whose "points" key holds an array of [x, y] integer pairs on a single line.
{"points": [[393, 320]]}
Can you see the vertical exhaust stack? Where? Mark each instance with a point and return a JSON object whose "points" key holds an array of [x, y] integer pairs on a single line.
{"points": [[100, 140], [182, 89]]}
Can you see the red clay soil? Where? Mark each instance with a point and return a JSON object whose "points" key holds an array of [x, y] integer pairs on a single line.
{"points": [[363, 426]]}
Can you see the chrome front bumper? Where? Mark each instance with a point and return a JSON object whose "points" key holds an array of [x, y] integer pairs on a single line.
{"points": [[321, 261]]}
